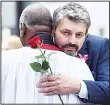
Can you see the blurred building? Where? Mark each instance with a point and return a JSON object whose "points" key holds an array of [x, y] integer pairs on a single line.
{"points": [[99, 12]]}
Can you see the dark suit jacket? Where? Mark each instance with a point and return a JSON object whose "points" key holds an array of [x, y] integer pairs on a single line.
{"points": [[98, 50]]}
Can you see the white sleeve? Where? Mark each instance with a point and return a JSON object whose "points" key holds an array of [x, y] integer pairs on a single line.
{"points": [[83, 92]]}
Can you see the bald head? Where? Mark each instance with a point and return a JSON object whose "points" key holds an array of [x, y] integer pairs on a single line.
{"points": [[36, 14], [34, 18]]}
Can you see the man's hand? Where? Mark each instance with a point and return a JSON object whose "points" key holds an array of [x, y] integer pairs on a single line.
{"points": [[58, 84]]}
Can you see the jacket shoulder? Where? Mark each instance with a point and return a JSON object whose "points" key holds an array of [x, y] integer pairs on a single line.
{"points": [[95, 39]]}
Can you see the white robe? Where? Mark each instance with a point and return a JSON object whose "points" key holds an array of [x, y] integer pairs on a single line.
{"points": [[19, 79]]}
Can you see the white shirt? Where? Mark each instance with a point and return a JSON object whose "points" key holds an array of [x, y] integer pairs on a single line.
{"points": [[19, 80]]}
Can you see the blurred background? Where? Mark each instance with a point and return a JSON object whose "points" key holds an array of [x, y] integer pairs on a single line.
{"points": [[99, 13]]}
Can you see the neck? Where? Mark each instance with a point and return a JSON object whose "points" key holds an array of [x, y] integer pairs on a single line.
{"points": [[47, 42], [45, 37]]}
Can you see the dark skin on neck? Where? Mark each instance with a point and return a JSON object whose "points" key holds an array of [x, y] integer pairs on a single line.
{"points": [[30, 32]]}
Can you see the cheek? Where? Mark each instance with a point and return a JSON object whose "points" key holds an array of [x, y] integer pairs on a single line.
{"points": [[80, 43], [60, 40]]}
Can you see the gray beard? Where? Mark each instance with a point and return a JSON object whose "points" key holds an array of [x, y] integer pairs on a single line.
{"points": [[70, 53]]}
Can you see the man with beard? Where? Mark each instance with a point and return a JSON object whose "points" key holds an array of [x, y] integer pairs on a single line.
{"points": [[70, 33], [18, 78]]}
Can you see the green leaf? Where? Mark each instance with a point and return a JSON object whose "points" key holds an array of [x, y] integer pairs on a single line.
{"points": [[51, 54], [45, 65], [36, 66], [39, 56]]}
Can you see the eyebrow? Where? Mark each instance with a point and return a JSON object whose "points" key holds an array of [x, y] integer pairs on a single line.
{"points": [[65, 29], [70, 31], [79, 33]]}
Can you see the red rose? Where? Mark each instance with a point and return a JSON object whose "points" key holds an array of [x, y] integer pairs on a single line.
{"points": [[35, 42]]}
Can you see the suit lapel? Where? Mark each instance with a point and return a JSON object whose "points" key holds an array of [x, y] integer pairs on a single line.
{"points": [[85, 50]]}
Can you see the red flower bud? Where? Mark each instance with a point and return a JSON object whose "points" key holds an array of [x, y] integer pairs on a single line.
{"points": [[35, 42]]}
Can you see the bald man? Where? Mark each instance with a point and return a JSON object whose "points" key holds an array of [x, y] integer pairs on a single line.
{"points": [[34, 19]]}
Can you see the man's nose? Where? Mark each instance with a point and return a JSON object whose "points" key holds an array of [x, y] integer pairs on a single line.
{"points": [[72, 39]]}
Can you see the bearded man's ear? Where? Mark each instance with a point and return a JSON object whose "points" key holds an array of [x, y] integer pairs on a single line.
{"points": [[53, 32], [53, 35]]}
